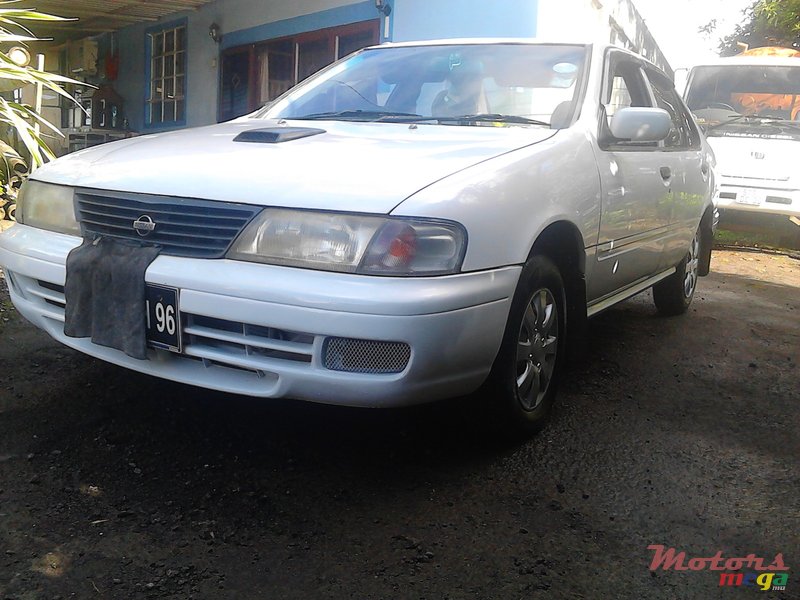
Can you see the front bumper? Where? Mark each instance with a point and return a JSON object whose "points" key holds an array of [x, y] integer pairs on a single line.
{"points": [[757, 196], [453, 325]]}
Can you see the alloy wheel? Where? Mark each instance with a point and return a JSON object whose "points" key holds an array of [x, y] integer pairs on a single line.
{"points": [[692, 264], [537, 345]]}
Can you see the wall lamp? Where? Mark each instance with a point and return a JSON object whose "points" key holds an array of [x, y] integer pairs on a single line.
{"points": [[19, 56], [383, 7], [215, 33]]}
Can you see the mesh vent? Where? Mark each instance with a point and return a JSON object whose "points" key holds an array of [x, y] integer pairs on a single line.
{"points": [[366, 356]]}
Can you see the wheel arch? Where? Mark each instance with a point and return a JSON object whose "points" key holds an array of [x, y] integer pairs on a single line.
{"points": [[707, 227], [562, 243]]}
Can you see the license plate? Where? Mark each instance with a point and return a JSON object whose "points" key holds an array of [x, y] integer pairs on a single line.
{"points": [[750, 197], [163, 317]]}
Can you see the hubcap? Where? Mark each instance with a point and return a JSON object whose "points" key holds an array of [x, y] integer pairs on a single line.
{"points": [[537, 346], [692, 263]]}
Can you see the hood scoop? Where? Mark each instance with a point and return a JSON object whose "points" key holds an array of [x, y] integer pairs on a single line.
{"points": [[276, 135]]}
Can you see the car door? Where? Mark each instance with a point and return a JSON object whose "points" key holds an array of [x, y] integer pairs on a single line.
{"points": [[636, 180], [684, 155]]}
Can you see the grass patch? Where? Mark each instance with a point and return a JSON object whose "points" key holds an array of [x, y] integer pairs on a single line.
{"points": [[785, 244], [746, 238]]}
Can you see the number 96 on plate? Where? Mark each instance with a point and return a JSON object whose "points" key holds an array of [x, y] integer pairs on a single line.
{"points": [[163, 317]]}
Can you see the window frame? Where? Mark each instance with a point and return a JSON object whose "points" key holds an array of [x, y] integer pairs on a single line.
{"points": [[691, 139], [150, 79], [330, 34], [605, 140]]}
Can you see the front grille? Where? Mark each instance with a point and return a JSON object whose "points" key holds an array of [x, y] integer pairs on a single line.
{"points": [[183, 227], [56, 299], [366, 356], [244, 346]]}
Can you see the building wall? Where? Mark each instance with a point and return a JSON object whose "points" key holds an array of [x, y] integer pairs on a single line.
{"points": [[248, 21], [432, 19], [241, 22], [602, 21]]}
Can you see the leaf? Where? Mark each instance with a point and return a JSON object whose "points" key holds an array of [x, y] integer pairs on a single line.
{"points": [[21, 118], [36, 117], [30, 15], [25, 131], [11, 37]]}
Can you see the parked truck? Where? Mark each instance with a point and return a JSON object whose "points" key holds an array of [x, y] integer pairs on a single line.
{"points": [[749, 106]]}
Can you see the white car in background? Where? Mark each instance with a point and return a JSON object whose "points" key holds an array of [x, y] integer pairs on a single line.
{"points": [[749, 106], [412, 223]]}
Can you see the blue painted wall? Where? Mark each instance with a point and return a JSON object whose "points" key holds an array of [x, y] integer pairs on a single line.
{"points": [[248, 21], [332, 17], [241, 22], [431, 19]]}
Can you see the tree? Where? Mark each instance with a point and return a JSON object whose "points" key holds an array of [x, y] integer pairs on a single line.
{"points": [[766, 23], [17, 119]]}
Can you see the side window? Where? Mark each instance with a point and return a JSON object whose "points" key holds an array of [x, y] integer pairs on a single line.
{"points": [[619, 97], [625, 86], [694, 131], [681, 133]]}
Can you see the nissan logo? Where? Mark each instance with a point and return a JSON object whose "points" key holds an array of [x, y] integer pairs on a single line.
{"points": [[144, 225]]}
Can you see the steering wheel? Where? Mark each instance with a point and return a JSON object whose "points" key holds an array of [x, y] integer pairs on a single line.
{"points": [[721, 105]]}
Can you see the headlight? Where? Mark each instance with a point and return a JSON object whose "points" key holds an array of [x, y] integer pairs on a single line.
{"points": [[48, 207], [352, 243]]}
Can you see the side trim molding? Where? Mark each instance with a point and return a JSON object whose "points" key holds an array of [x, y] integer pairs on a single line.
{"points": [[609, 301]]}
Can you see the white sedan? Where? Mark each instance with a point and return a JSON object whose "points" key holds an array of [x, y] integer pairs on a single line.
{"points": [[412, 223]]}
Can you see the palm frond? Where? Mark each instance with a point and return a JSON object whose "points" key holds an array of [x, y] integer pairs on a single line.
{"points": [[18, 117]]}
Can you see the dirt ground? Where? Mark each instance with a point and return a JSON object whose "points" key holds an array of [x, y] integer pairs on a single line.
{"points": [[681, 432]]}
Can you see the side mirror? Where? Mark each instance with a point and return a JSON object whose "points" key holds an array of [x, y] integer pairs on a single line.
{"points": [[640, 124]]}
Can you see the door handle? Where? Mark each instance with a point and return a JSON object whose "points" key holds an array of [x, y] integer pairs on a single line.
{"points": [[666, 173]]}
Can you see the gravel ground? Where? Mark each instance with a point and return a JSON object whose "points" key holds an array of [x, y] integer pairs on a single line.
{"points": [[681, 432]]}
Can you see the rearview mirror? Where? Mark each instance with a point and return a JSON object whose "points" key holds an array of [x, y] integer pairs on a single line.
{"points": [[640, 124]]}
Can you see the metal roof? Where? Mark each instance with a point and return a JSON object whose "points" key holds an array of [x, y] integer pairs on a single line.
{"points": [[98, 16]]}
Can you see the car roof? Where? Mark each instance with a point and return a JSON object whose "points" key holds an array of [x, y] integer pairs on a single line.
{"points": [[601, 47], [484, 41]]}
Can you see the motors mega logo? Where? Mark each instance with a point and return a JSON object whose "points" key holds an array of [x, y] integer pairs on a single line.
{"points": [[762, 577]]}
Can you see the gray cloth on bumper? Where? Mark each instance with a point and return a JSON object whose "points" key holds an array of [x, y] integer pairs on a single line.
{"points": [[105, 294]]}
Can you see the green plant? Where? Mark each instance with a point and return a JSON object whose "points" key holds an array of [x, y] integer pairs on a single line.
{"points": [[764, 23], [16, 117], [13, 170]]}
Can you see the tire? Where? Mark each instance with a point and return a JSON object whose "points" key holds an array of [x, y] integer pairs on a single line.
{"points": [[521, 387], [674, 294]]}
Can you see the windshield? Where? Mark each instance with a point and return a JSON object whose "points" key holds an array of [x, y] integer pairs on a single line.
{"points": [[520, 84], [735, 98]]}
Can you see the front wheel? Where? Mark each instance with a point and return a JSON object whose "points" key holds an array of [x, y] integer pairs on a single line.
{"points": [[523, 381], [674, 294]]}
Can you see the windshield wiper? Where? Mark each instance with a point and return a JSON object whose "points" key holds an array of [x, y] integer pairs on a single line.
{"points": [[361, 115], [378, 116], [749, 117], [493, 118]]}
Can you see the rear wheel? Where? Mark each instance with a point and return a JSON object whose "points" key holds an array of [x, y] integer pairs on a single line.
{"points": [[674, 294], [522, 385]]}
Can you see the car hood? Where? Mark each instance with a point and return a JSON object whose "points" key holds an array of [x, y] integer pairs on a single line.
{"points": [[368, 167]]}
